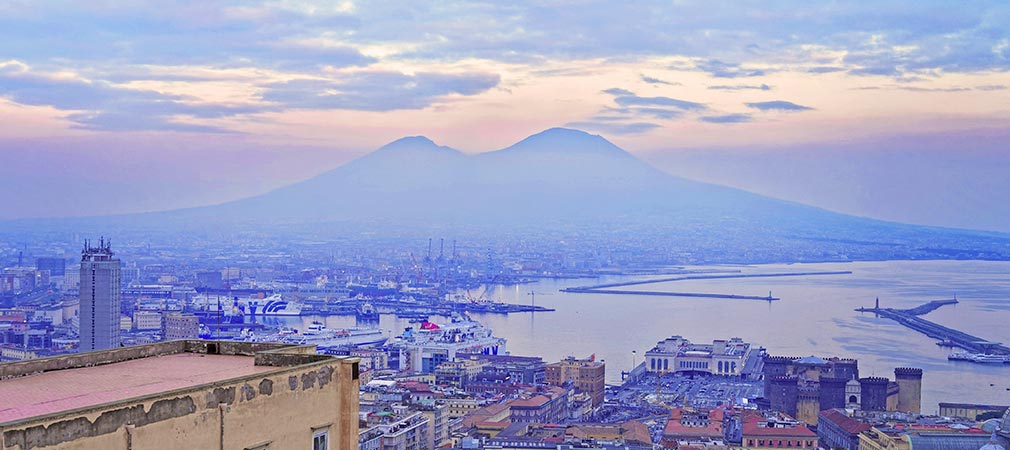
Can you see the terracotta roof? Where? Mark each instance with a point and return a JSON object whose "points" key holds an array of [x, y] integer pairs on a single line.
{"points": [[532, 402], [846, 423]]}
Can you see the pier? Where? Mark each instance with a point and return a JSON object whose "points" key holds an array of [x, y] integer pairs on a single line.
{"points": [[910, 318], [606, 288], [671, 294]]}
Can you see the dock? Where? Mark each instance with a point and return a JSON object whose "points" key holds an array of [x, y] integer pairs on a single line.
{"points": [[671, 294], [607, 287], [910, 318], [707, 277]]}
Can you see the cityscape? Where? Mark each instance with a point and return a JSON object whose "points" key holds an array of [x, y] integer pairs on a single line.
{"points": [[221, 231]]}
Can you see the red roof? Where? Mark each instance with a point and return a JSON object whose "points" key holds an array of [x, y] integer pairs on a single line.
{"points": [[846, 423]]}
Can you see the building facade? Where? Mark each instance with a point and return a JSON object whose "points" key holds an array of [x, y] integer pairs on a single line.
{"points": [[676, 354], [587, 375], [177, 326], [100, 295]]}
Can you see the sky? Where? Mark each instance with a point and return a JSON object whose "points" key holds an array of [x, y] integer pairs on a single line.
{"points": [[890, 109]]}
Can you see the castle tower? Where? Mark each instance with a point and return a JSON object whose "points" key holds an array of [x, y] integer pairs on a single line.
{"points": [[832, 393], [774, 367], [784, 394], [808, 405], [874, 393], [909, 389]]}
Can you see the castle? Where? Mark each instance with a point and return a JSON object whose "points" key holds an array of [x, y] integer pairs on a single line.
{"points": [[803, 387]]}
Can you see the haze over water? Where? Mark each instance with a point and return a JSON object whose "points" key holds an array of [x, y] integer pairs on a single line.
{"points": [[814, 317]]}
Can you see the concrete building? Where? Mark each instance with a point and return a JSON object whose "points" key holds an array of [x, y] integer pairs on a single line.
{"points": [[177, 326], [100, 295], [677, 354], [409, 433], [587, 375], [969, 411], [182, 394], [458, 373], [146, 320]]}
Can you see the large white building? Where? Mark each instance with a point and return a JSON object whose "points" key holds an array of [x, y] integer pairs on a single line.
{"points": [[676, 354], [100, 294]]}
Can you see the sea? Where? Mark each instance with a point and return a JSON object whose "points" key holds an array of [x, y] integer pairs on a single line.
{"points": [[814, 316]]}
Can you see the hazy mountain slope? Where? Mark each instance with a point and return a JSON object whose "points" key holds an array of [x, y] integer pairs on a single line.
{"points": [[556, 185]]}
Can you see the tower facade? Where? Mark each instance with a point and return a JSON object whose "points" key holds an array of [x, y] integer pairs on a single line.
{"points": [[873, 391], [909, 389], [100, 294]]}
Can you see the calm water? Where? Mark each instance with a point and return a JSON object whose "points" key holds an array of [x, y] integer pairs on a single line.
{"points": [[814, 316]]}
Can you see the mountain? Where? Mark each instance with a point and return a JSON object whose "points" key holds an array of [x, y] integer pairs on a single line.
{"points": [[564, 185]]}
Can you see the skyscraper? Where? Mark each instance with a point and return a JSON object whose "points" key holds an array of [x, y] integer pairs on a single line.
{"points": [[100, 291]]}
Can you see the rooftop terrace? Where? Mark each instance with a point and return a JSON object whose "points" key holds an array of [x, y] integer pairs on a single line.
{"points": [[53, 385]]}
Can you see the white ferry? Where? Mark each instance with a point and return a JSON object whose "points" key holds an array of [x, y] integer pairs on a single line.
{"points": [[319, 335]]}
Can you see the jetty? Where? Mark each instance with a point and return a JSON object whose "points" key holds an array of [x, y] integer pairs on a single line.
{"points": [[607, 288], [955, 338]]}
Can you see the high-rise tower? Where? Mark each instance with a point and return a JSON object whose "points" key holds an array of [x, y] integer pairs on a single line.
{"points": [[100, 291]]}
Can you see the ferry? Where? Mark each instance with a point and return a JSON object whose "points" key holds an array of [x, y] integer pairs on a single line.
{"points": [[274, 305], [319, 335], [980, 358]]}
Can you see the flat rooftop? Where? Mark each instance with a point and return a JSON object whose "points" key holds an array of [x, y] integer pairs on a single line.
{"points": [[62, 390]]}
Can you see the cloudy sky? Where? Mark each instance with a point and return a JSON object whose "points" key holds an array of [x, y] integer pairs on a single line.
{"points": [[112, 106]]}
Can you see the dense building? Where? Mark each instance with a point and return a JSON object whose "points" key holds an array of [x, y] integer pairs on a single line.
{"points": [[803, 387], [458, 373], [182, 394], [676, 354], [528, 370], [180, 326], [100, 295], [689, 427], [768, 431], [587, 375]]}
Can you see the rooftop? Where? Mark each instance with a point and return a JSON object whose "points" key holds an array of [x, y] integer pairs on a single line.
{"points": [[62, 390], [53, 385]]}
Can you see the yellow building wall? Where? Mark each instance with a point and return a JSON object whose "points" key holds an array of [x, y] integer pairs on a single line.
{"points": [[808, 410]]}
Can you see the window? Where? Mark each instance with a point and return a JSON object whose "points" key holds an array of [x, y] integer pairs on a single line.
{"points": [[321, 440]]}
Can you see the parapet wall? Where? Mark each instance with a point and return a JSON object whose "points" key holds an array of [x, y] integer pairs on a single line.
{"points": [[276, 355]]}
